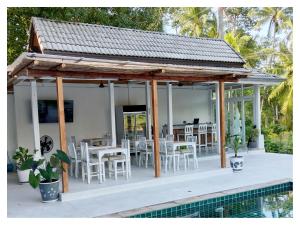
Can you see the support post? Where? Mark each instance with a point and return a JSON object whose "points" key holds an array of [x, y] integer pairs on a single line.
{"points": [[112, 113], [217, 91], [35, 119], [222, 124], [243, 116], [170, 108], [257, 121], [148, 110], [155, 128], [62, 130]]}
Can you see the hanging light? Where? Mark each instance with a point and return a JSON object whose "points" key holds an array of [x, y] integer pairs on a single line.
{"points": [[101, 85]]}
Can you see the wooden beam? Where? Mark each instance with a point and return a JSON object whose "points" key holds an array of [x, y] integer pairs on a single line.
{"points": [[222, 124], [127, 76], [62, 130], [155, 128]]}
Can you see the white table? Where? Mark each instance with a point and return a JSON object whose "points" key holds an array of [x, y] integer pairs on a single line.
{"points": [[102, 150], [185, 143]]}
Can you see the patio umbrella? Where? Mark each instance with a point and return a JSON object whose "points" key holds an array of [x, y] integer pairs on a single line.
{"points": [[237, 122]]}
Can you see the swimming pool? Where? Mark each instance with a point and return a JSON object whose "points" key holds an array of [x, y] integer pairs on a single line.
{"points": [[274, 201]]}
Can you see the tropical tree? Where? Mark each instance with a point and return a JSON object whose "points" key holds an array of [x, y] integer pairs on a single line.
{"points": [[245, 45], [283, 93], [194, 21]]}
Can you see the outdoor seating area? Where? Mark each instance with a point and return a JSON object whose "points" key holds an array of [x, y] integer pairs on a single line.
{"points": [[94, 158]]}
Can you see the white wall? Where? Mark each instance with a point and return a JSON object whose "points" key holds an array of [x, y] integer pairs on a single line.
{"points": [[11, 126], [91, 109]]}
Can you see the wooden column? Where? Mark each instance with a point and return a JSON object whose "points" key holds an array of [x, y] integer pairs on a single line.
{"points": [[155, 128], [222, 124], [62, 130]]}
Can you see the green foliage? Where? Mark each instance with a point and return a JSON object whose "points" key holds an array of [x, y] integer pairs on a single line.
{"points": [[51, 170], [245, 45], [195, 22], [21, 157], [253, 134], [236, 144], [18, 21], [278, 139]]}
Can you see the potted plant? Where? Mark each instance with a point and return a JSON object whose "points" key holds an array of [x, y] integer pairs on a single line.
{"points": [[236, 162], [45, 174], [20, 157], [252, 141]]}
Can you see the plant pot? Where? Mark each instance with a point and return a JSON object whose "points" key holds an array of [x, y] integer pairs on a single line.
{"points": [[49, 191], [237, 163], [23, 175], [252, 144]]}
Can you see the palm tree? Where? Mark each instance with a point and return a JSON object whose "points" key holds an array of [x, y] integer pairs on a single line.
{"points": [[284, 91], [276, 18], [195, 21]]}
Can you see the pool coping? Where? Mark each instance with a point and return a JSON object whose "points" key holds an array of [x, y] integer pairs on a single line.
{"points": [[132, 212]]}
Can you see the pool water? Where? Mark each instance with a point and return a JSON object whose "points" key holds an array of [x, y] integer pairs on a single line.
{"points": [[274, 202]]}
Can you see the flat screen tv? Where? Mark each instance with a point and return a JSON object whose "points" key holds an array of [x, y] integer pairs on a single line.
{"points": [[48, 111]]}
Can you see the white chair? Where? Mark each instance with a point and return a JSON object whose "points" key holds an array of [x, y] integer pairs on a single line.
{"points": [[115, 160], [202, 133], [190, 150], [75, 159], [170, 137], [145, 152], [167, 154], [73, 140], [213, 135], [91, 162], [188, 130]]}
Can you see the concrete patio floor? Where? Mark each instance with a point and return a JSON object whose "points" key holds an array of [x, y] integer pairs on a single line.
{"points": [[96, 200]]}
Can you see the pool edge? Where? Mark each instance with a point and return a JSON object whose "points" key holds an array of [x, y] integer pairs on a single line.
{"points": [[146, 209]]}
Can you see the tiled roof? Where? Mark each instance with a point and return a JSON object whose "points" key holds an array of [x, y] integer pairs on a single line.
{"points": [[113, 41]]}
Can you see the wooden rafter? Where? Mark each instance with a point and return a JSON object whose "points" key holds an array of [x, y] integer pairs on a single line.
{"points": [[127, 76]]}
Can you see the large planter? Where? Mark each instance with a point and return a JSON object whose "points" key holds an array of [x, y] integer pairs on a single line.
{"points": [[252, 144], [49, 191], [23, 175], [237, 163]]}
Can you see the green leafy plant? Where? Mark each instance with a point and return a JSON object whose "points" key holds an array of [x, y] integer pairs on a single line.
{"points": [[49, 172], [236, 144], [253, 134], [21, 156]]}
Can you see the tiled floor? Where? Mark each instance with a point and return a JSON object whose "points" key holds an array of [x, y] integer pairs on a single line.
{"points": [[145, 190]]}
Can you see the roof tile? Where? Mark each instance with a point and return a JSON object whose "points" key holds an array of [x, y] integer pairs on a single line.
{"points": [[106, 40]]}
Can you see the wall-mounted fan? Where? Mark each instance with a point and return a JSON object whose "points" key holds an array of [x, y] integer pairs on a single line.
{"points": [[46, 143]]}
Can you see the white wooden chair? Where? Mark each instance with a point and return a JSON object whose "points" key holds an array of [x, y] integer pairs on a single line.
{"points": [[170, 137], [167, 154], [145, 152], [116, 160], [202, 133], [75, 159], [88, 163], [190, 151], [213, 135], [188, 130]]}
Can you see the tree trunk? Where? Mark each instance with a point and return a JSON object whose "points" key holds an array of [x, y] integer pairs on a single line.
{"points": [[221, 22]]}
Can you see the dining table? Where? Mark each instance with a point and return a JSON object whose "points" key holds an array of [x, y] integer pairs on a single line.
{"points": [[177, 144], [110, 150]]}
